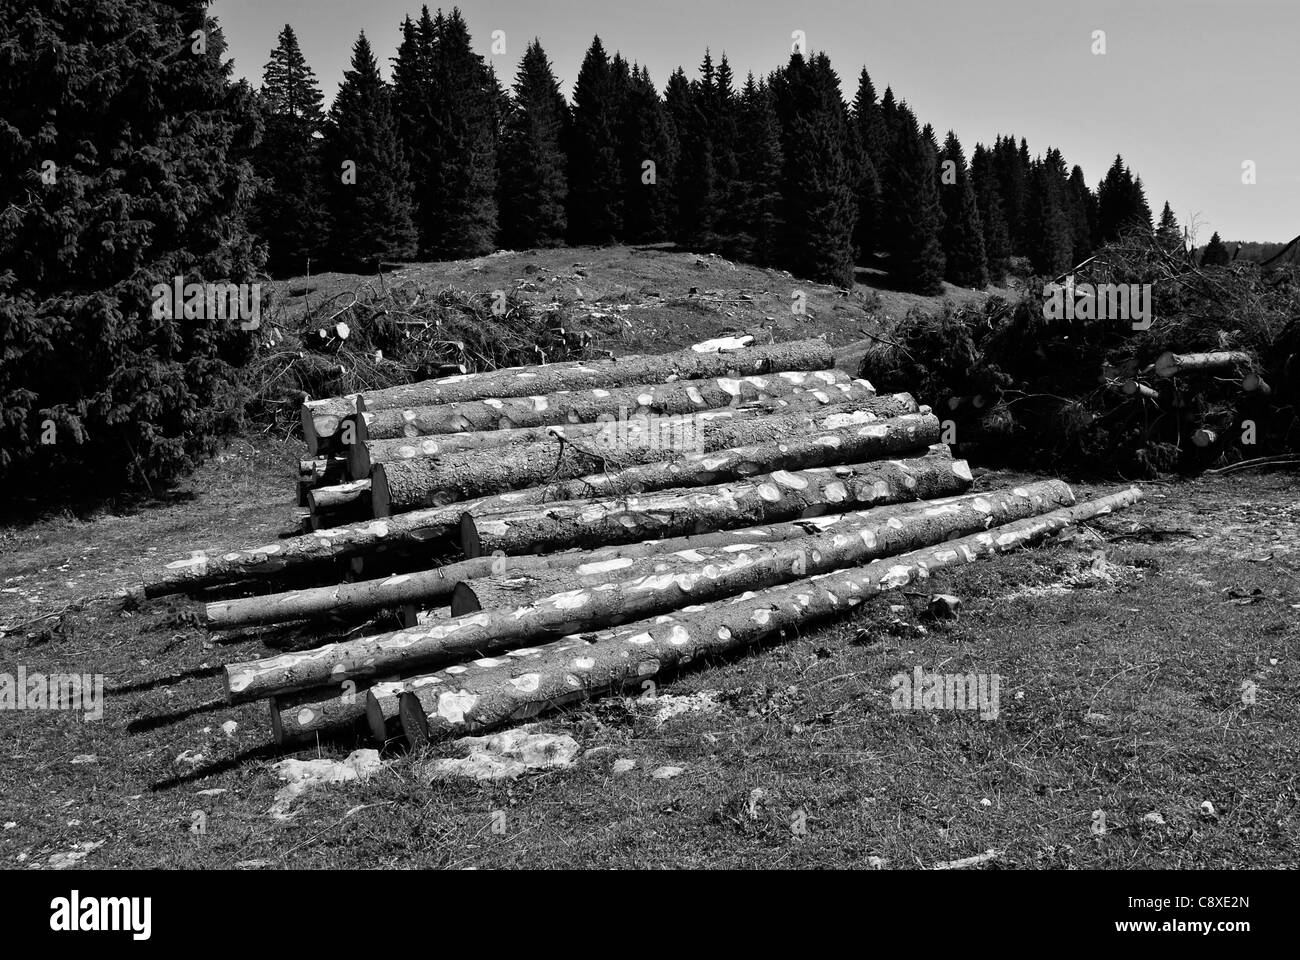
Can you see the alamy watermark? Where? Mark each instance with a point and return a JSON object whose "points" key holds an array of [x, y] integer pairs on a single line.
{"points": [[209, 301], [1130, 302], [53, 691], [946, 691]]}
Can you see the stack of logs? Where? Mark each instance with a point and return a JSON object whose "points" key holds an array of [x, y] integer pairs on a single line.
{"points": [[559, 532]]}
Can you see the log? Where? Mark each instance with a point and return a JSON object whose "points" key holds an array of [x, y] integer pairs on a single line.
{"points": [[402, 485], [1171, 364], [412, 534], [302, 717], [427, 588], [607, 588], [768, 498], [1254, 383], [1204, 437], [691, 576], [489, 692], [585, 406], [1132, 387], [690, 364], [355, 493], [321, 420], [638, 426]]}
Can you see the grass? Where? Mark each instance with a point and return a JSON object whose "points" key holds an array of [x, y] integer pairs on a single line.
{"points": [[1121, 692]]}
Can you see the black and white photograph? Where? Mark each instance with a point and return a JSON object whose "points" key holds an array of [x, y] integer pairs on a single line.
{"points": [[587, 435]]}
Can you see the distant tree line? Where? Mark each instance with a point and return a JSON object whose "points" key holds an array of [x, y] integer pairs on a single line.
{"points": [[442, 162]]}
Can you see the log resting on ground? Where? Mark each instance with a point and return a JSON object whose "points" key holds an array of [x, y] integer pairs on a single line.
{"points": [[709, 572], [718, 449], [799, 387], [1172, 364], [493, 691]]}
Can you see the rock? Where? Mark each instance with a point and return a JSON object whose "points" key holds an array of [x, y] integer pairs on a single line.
{"points": [[85, 758], [303, 775], [507, 755], [624, 765], [944, 606], [1207, 810], [1154, 819], [666, 773], [667, 707], [229, 728]]}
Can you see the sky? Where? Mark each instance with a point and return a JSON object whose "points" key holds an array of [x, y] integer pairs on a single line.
{"points": [[1187, 90]]}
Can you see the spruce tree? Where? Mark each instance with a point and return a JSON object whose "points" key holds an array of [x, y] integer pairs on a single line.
{"points": [[820, 208], [647, 154], [1215, 253], [533, 183], [289, 214], [997, 243], [916, 260], [460, 219], [368, 185], [963, 232], [1082, 204], [413, 109], [760, 167], [126, 155], [1121, 203], [1169, 233], [1048, 229], [869, 153], [595, 184], [696, 193]]}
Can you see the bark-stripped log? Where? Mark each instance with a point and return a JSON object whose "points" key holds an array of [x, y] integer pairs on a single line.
{"points": [[768, 498], [340, 496], [628, 428], [408, 533], [605, 585], [731, 570], [806, 388], [769, 443], [1132, 387], [1171, 364], [302, 716], [489, 692]]}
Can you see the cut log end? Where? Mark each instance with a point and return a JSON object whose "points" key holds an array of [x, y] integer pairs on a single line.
{"points": [[381, 499], [277, 728], [464, 600], [470, 541], [1204, 437], [414, 723]]}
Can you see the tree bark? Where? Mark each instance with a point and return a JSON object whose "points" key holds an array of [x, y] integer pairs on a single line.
{"points": [[635, 424], [690, 364], [490, 692], [767, 498], [724, 449], [321, 421], [340, 496], [1171, 364], [801, 388], [413, 534], [1132, 387], [301, 717], [852, 539], [726, 570]]}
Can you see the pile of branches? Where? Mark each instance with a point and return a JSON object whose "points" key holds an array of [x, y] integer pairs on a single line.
{"points": [[383, 332], [1083, 395]]}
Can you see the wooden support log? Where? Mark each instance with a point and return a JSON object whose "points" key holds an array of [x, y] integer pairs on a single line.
{"points": [[1133, 387], [340, 496], [636, 426], [301, 717], [691, 575], [809, 388], [850, 539], [411, 534], [768, 498], [429, 588], [1171, 364], [321, 421], [493, 691], [402, 485]]}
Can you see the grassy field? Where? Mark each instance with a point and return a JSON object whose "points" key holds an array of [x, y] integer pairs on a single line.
{"points": [[1148, 664]]}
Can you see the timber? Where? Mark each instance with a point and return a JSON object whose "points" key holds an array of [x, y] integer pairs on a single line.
{"points": [[1172, 364], [729, 449], [706, 573], [492, 691]]}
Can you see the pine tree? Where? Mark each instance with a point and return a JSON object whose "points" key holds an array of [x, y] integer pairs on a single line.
{"points": [[760, 172], [820, 208], [997, 243], [916, 260], [1169, 233], [289, 214], [533, 183], [595, 184], [647, 154], [697, 198], [1215, 253], [963, 234], [368, 181], [1048, 229], [460, 218], [144, 177]]}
